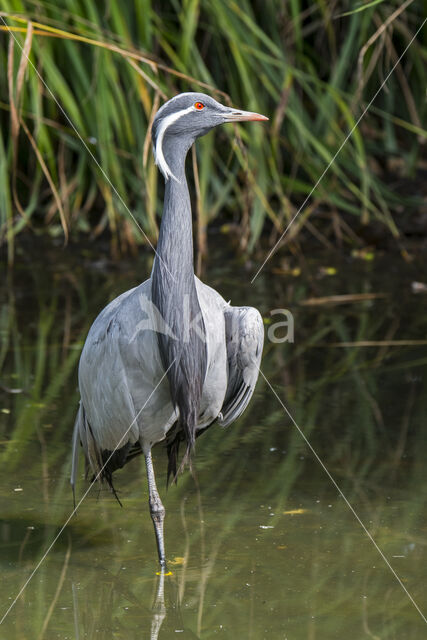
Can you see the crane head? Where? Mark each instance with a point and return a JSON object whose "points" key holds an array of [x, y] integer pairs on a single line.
{"points": [[185, 118]]}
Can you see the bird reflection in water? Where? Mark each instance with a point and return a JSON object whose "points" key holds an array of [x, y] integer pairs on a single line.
{"points": [[103, 621]]}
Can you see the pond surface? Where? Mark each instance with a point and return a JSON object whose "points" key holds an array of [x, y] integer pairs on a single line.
{"points": [[260, 542]]}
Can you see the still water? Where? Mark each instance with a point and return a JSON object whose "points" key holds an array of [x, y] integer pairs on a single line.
{"points": [[259, 541]]}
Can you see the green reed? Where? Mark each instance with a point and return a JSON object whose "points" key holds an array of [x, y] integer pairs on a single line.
{"points": [[312, 71]]}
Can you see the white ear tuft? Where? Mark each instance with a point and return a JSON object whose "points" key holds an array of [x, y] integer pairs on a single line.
{"points": [[158, 149], [160, 161]]}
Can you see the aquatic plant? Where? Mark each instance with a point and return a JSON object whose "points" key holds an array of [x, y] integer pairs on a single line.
{"points": [[75, 149]]}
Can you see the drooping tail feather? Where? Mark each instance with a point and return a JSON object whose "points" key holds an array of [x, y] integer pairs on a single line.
{"points": [[101, 462], [75, 453]]}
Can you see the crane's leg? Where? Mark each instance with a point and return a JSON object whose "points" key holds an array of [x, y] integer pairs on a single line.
{"points": [[157, 509]]}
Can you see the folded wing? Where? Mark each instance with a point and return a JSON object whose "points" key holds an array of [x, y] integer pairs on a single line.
{"points": [[244, 333]]}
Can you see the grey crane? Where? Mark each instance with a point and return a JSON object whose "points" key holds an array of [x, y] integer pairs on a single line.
{"points": [[169, 358]]}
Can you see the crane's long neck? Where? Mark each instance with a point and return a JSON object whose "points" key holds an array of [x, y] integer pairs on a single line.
{"points": [[175, 245], [181, 341]]}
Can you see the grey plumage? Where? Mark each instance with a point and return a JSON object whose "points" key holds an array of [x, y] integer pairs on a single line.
{"points": [[170, 357]]}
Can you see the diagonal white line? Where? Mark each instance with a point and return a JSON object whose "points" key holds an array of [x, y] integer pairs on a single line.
{"points": [[72, 125], [332, 479], [273, 250], [81, 500]]}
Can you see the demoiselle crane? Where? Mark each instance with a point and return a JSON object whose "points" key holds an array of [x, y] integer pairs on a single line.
{"points": [[170, 357]]}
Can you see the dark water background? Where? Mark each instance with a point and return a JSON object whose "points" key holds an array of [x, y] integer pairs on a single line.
{"points": [[260, 543]]}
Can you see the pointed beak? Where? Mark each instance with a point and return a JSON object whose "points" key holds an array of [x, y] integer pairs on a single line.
{"points": [[236, 115]]}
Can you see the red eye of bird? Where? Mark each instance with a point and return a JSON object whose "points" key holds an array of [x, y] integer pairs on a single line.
{"points": [[199, 106]]}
